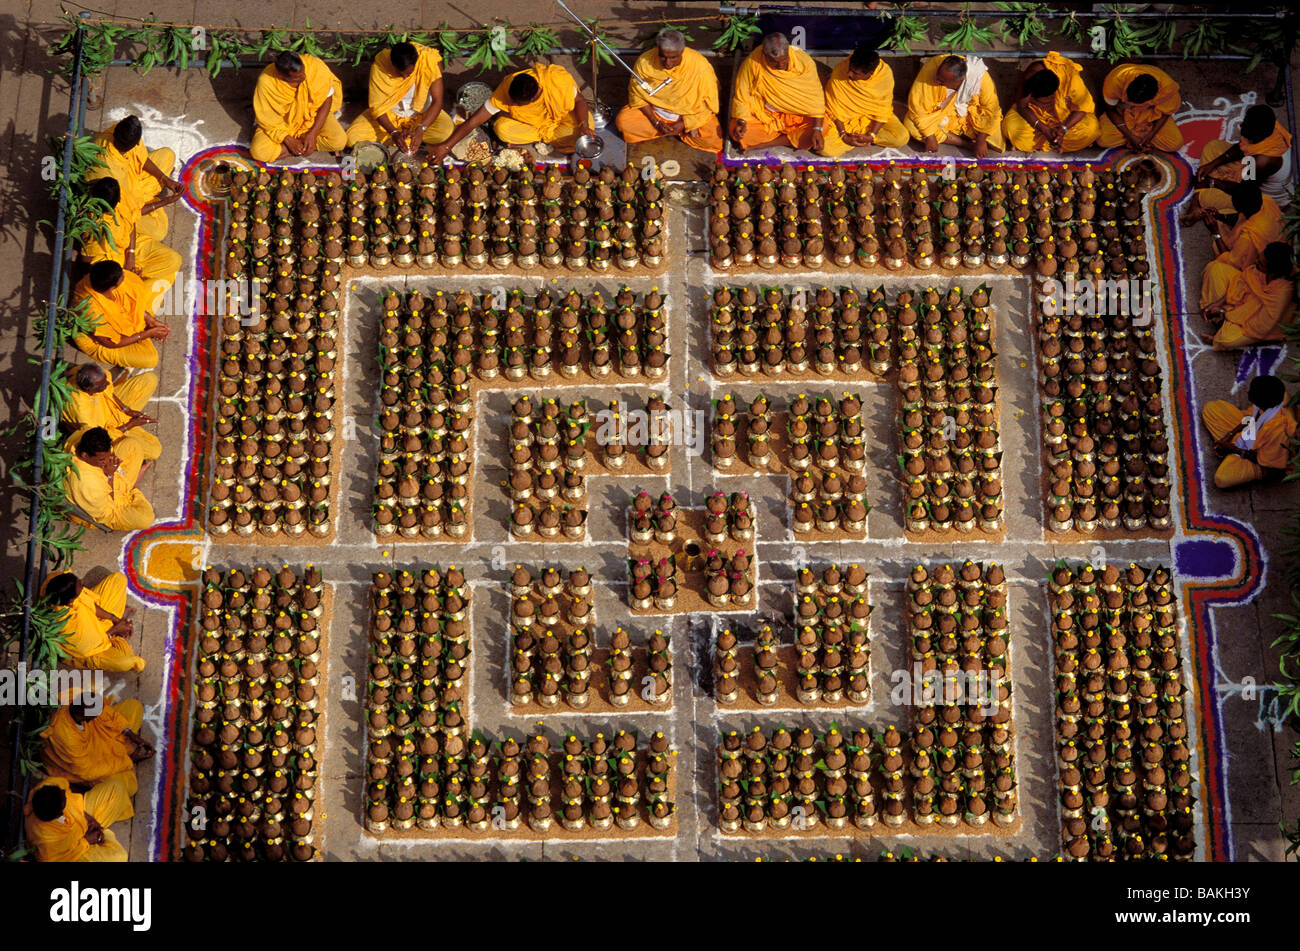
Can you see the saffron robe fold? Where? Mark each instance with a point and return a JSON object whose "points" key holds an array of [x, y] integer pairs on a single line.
{"points": [[1272, 442], [283, 109], [86, 640], [118, 313], [88, 410], [64, 839], [115, 502]]}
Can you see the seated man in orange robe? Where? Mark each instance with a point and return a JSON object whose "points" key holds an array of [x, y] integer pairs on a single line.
{"points": [[538, 104], [778, 99], [1241, 234], [1254, 443], [87, 744], [294, 104], [405, 100], [94, 399], [1055, 111], [118, 237], [687, 107], [64, 826], [953, 101], [102, 480], [144, 176], [1223, 164], [1140, 106], [1251, 305], [860, 105], [98, 622], [119, 308]]}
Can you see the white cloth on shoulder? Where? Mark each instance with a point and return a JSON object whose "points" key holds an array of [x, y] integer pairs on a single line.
{"points": [[970, 86]]}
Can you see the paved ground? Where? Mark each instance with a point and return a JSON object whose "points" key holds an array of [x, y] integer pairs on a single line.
{"points": [[194, 111]]}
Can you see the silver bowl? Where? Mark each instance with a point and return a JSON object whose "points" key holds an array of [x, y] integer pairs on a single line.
{"points": [[589, 145]]}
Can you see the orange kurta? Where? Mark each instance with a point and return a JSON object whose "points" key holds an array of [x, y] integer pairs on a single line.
{"points": [[1272, 443], [387, 92], [692, 96], [94, 750], [139, 186], [86, 640], [283, 109], [116, 314], [88, 410]]}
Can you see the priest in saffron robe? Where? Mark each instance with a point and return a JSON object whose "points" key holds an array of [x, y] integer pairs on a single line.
{"points": [[64, 826], [1254, 443], [953, 100], [778, 99], [85, 747], [1249, 305], [118, 237], [1140, 106], [294, 104], [119, 309], [406, 98], [94, 399], [860, 105], [98, 622], [1264, 148], [687, 107], [538, 104], [143, 175], [1242, 233], [103, 480], [1054, 112]]}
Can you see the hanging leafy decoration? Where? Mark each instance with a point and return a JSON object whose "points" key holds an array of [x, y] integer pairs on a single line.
{"points": [[737, 32], [906, 32], [1023, 26]]}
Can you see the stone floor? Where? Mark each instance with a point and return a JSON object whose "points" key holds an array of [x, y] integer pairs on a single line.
{"points": [[189, 112]]}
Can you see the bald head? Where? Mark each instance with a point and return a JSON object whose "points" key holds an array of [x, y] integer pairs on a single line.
{"points": [[91, 378]]}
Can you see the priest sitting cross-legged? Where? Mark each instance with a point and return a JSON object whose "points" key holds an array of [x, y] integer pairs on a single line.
{"points": [[98, 622], [1254, 443], [119, 307], [1261, 155], [1055, 112], [144, 176], [95, 399], [89, 740], [778, 99], [64, 826], [1140, 106], [103, 478], [539, 104], [406, 95], [1242, 232], [685, 107], [1249, 305], [860, 105], [118, 237], [294, 104], [953, 101]]}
